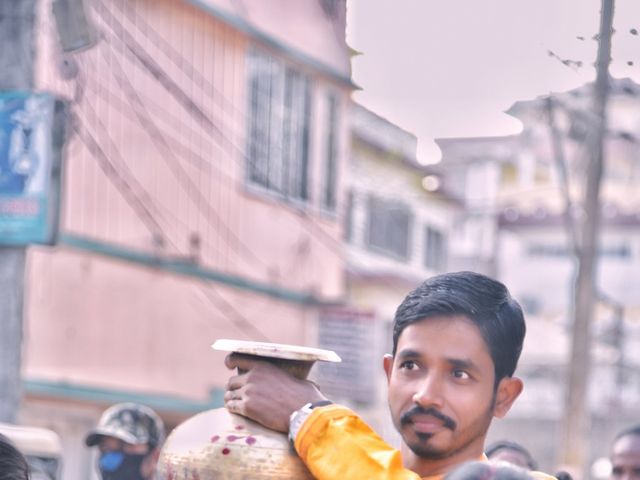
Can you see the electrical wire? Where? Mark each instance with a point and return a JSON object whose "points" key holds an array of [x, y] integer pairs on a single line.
{"points": [[169, 158], [179, 60], [117, 179], [138, 204], [164, 211], [334, 245], [168, 83], [311, 225]]}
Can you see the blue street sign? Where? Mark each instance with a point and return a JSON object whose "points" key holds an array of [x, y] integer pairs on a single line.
{"points": [[28, 201]]}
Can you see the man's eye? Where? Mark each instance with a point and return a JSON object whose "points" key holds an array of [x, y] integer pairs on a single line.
{"points": [[461, 374], [408, 365]]}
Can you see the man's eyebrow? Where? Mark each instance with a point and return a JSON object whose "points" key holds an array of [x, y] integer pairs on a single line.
{"points": [[408, 353], [463, 363]]}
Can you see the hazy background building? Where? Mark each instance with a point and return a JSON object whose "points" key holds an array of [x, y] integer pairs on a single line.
{"points": [[524, 206], [397, 233]]}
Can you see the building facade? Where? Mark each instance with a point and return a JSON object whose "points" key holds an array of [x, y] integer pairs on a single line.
{"points": [[397, 234], [202, 199]]}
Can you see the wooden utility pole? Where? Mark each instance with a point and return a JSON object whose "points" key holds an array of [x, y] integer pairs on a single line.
{"points": [[17, 20], [575, 424]]}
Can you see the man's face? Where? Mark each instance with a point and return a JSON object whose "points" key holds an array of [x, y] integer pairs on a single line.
{"points": [[441, 388], [124, 461], [625, 458]]}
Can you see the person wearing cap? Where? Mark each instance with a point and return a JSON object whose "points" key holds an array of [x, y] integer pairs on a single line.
{"points": [[129, 437]]}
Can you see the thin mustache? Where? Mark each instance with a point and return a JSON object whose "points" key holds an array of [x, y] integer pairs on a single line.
{"points": [[407, 417]]}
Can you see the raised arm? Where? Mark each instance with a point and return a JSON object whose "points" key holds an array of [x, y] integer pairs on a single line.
{"points": [[333, 441]]}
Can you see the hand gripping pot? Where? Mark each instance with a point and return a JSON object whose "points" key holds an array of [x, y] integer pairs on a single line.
{"points": [[220, 445]]}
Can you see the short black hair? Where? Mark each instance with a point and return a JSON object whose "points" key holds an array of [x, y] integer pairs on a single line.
{"points": [[13, 465], [486, 302], [495, 447]]}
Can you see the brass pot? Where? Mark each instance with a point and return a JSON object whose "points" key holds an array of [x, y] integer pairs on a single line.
{"points": [[218, 445]]}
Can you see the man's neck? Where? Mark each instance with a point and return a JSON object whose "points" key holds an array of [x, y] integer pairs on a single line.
{"points": [[426, 467]]}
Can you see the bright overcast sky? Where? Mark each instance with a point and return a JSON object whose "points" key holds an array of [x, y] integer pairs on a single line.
{"points": [[449, 68]]}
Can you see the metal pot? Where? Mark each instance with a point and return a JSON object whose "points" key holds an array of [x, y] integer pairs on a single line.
{"points": [[220, 445]]}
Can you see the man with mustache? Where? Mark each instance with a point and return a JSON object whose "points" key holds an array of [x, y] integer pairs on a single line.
{"points": [[456, 342]]}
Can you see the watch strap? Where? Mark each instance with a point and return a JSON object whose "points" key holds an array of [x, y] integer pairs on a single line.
{"points": [[298, 417]]}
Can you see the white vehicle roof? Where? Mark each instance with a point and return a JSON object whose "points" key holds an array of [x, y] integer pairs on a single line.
{"points": [[33, 440]]}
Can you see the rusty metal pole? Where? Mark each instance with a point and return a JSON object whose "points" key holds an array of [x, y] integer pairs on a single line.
{"points": [[576, 421]]}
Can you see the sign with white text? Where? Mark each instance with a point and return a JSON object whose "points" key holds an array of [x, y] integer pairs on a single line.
{"points": [[28, 196]]}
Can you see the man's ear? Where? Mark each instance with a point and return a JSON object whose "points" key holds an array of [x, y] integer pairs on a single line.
{"points": [[387, 364], [509, 389]]}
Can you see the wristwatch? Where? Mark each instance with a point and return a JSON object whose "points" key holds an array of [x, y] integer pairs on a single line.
{"points": [[298, 417]]}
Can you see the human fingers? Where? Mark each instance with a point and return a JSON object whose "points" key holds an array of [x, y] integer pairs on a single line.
{"points": [[235, 406], [256, 411], [236, 382], [231, 395], [241, 362], [236, 401]]}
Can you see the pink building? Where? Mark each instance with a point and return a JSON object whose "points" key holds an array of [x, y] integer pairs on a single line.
{"points": [[202, 200]]}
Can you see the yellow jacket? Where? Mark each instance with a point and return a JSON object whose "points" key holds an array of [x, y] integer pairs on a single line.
{"points": [[335, 443]]}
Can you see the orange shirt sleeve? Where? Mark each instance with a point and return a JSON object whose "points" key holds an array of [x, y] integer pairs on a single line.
{"points": [[335, 443]]}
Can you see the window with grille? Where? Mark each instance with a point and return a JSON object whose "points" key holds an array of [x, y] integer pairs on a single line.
{"points": [[389, 227], [279, 121], [435, 249], [348, 217], [331, 151]]}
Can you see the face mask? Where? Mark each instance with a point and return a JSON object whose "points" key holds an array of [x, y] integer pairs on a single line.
{"points": [[120, 466]]}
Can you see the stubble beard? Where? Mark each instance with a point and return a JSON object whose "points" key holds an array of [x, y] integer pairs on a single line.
{"points": [[426, 451]]}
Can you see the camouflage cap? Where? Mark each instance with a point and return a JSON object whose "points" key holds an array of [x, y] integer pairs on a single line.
{"points": [[130, 422]]}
